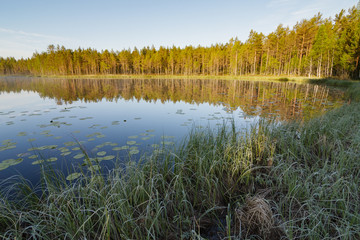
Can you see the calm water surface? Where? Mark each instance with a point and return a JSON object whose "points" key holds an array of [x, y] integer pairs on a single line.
{"points": [[55, 120]]}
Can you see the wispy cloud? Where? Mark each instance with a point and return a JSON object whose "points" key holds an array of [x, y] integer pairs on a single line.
{"points": [[30, 34], [305, 12], [18, 43]]}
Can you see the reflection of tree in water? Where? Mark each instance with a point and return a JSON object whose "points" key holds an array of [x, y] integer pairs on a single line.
{"points": [[285, 100]]}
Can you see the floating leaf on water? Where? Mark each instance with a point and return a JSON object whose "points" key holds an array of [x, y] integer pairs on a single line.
{"points": [[23, 154], [4, 166], [69, 144], [133, 137], [77, 131], [45, 132], [131, 142], [73, 176], [102, 153], [63, 149], [125, 147], [65, 153], [94, 168], [167, 143], [91, 139], [10, 123], [21, 134], [150, 130], [12, 162], [58, 137], [85, 118], [73, 117], [143, 134], [134, 151], [145, 138], [78, 156], [32, 156], [52, 159], [104, 127], [117, 149], [37, 162], [7, 148], [155, 145], [115, 122], [100, 136], [75, 149], [109, 157], [113, 144]]}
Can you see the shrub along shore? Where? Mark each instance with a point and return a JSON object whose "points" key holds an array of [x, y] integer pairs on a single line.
{"points": [[293, 180]]}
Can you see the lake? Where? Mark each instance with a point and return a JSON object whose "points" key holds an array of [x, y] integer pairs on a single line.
{"points": [[56, 121]]}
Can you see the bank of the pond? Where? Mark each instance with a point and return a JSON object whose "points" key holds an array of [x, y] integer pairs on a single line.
{"points": [[298, 181], [282, 78]]}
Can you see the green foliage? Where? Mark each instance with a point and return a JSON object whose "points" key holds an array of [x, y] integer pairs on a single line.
{"points": [[314, 47]]}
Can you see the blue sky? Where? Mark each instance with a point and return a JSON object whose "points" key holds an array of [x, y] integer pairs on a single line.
{"points": [[29, 25]]}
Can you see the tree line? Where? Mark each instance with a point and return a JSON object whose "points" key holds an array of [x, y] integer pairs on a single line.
{"points": [[313, 47]]}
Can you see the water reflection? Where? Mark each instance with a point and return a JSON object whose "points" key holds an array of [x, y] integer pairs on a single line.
{"points": [[283, 100]]}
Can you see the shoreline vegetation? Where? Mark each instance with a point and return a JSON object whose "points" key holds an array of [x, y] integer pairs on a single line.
{"points": [[293, 180]]}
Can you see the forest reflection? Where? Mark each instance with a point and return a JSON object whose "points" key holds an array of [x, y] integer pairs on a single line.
{"points": [[281, 100]]}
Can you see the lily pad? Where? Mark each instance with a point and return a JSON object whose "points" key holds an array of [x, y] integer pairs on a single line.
{"points": [[109, 157], [4, 166], [12, 162], [94, 168], [75, 149], [102, 153], [69, 144], [78, 156], [134, 151], [65, 153], [32, 156], [100, 136], [37, 162], [21, 134], [73, 176], [52, 159], [150, 130], [91, 139], [131, 142], [145, 138], [133, 137]]}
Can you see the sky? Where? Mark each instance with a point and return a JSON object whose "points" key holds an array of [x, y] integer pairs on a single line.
{"points": [[27, 26]]}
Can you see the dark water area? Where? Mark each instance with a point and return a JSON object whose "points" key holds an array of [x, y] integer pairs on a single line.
{"points": [[54, 121]]}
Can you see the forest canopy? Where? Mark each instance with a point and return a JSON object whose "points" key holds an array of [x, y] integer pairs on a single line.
{"points": [[313, 47]]}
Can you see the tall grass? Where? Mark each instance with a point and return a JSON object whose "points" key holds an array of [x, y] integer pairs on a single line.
{"points": [[294, 181]]}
